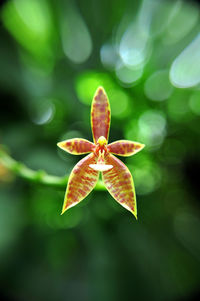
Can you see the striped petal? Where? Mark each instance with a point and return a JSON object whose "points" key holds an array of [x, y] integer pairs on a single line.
{"points": [[119, 183], [77, 146], [100, 115], [81, 182], [125, 148]]}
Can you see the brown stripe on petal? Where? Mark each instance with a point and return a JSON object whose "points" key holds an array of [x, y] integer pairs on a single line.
{"points": [[119, 183], [100, 115], [77, 146], [124, 147], [81, 181]]}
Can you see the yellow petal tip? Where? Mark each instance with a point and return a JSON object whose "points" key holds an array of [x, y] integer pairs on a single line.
{"points": [[59, 144], [63, 211], [100, 88], [135, 214]]}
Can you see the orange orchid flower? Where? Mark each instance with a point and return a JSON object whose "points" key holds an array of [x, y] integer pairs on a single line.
{"points": [[116, 176]]}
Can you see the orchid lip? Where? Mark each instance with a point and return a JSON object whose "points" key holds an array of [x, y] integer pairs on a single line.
{"points": [[101, 167]]}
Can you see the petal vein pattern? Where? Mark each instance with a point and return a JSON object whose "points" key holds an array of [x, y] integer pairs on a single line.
{"points": [[81, 181], [119, 183], [125, 148], [100, 115], [77, 146]]}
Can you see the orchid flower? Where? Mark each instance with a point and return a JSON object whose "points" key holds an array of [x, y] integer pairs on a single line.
{"points": [[116, 176]]}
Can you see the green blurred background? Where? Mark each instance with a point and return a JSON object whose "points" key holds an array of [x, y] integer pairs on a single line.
{"points": [[53, 56]]}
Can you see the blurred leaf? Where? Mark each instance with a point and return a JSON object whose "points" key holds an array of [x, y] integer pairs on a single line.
{"points": [[30, 22]]}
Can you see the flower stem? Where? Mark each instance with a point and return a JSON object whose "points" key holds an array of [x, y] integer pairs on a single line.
{"points": [[37, 176]]}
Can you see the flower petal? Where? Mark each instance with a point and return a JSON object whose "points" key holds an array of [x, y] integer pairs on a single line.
{"points": [[125, 148], [100, 115], [77, 146], [81, 182], [119, 183]]}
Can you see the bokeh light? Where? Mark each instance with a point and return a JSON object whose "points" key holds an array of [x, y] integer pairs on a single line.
{"points": [[108, 55], [183, 19], [30, 22], [158, 87], [134, 46], [128, 75], [184, 72], [76, 40], [152, 128], [87, 82]]}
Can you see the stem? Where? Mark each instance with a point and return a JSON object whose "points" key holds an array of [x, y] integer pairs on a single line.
{"points": [[38, 176]]}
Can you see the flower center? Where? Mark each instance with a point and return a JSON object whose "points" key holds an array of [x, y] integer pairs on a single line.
{"points": [[100, 165], [101, 147], [102, 141]]}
